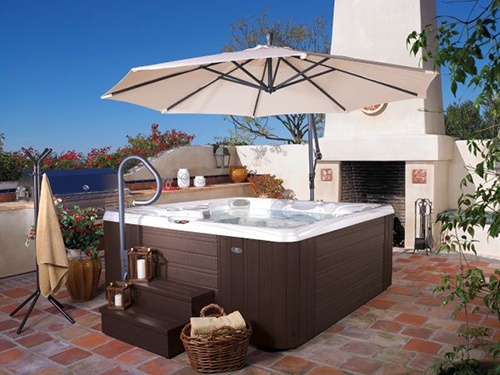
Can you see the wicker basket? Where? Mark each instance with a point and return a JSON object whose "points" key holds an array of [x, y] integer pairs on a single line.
{"points": [[222, 350]]}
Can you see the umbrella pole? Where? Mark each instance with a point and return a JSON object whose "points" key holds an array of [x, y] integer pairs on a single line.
{"points": [[311, 160], [36, 203], [314, 153]]}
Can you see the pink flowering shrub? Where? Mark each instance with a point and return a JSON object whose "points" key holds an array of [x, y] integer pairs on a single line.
{"points": [[153, 144], [102, 158], [141, 145], [12, 163], [67, 160]]}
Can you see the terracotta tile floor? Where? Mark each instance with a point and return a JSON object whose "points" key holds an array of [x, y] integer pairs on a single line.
{"points": [[402, 331]]}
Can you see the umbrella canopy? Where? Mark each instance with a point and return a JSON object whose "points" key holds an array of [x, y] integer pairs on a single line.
{"points": [[269, 80]]}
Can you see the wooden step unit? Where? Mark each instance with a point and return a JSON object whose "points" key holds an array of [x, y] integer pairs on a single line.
{"points": [[159, 311]]}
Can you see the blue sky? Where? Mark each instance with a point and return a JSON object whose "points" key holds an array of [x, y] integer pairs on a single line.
{"points": [[59, 56]]}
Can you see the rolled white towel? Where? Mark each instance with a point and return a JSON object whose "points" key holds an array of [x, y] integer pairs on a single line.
{"points": [[233, 320], [204, 325]]}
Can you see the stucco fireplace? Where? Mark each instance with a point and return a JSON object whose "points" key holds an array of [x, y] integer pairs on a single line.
{"points": [[373, 146]]}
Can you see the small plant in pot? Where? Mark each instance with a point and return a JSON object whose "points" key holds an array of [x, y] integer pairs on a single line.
{"points": [[78, 228], [266, 186], [81, 235]]}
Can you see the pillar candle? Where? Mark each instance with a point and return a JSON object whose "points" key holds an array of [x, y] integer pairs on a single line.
{"points": [[118, 300], [141, 268]]}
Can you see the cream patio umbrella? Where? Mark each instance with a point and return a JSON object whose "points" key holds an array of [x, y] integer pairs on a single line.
{"points": [[269, 80]]}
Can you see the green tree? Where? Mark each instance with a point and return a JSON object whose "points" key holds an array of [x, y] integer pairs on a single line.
{"points": [[12, 164], [469, 49], [249, 32], [463, 120], [491, 117]]}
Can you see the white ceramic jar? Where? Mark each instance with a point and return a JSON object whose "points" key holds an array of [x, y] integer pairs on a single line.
{"points": [[183, 178], [199, 181]]}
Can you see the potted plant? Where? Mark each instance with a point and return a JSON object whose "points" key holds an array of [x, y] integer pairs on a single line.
{"points": [[81, 235], [266, 186]]}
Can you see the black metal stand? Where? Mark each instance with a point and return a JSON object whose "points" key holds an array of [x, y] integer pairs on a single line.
{"points": [[423, 225], [36, 203]]}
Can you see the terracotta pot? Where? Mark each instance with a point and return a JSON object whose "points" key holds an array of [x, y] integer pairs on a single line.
{"points": [[83, 277], [238, 173]]}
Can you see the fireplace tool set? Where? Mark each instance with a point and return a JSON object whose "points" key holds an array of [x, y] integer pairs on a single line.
{"points": [[423, 225]]}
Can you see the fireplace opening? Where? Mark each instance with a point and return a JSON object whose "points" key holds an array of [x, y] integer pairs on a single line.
{"points": [[377, 182]]}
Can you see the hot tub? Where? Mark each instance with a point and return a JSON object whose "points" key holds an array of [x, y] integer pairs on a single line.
{"points": [[292, 268], [273, 220]]}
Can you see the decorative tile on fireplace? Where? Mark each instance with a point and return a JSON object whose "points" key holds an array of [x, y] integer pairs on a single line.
{"points": [[419, 176], [326, 174]]}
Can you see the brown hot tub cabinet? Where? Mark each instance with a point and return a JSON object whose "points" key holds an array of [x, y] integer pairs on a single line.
{"points": [[289, 292]]}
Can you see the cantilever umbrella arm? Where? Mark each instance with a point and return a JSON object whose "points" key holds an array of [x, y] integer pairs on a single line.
{"points": [[314, 153]]}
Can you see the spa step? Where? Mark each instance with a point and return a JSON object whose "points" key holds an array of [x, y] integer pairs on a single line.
{"points": [[159, 311], [175, 299], [158, 334]]}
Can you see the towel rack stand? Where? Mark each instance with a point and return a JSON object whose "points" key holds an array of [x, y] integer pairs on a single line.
{"points": [[36, 203]]}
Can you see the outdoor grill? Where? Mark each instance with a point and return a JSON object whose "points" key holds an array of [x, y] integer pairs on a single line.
{"points": [[86, 187]]}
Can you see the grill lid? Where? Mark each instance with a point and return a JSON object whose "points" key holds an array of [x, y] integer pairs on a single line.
{"points": [[85, 187]]}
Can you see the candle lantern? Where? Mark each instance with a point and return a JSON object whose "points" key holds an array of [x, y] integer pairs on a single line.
{"points": [[140, 264], [119, 295]]}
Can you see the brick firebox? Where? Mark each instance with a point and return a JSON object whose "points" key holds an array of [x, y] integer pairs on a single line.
{"points": [[376, 182]]}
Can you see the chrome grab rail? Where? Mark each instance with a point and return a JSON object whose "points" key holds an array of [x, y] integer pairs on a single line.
{"points": [[121, 206]]}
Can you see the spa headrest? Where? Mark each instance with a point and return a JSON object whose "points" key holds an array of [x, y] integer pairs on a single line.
{"points": [[239, 203]]}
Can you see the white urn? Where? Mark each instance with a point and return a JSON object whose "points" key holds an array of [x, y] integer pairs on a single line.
{"points": [[199, 181], [183, 178]]}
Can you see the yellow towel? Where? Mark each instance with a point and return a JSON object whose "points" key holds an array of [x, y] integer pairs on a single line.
{"points": [[50, 250], [203, 325]]}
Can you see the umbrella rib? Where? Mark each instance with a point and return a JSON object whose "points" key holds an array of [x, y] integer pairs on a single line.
{"points": [[204, 67], [379, 82], [242, 82], [285, 83], [221, 75], [269, 68], [261, 83], [272, 77], [147, 83], [257, 100], [306, 79], [319, 88], [371, 80], [191, 94], [228, 77]]}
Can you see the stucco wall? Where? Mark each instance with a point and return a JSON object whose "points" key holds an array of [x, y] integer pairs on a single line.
{"points": [[381, 36], [457, 170], [290, 163], [199, 160]]}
